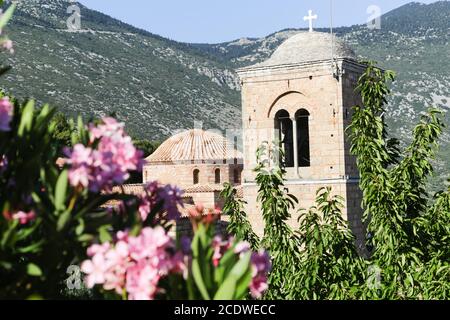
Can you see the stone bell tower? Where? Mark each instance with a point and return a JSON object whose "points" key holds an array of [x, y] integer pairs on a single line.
{"points": [[303, 97]]}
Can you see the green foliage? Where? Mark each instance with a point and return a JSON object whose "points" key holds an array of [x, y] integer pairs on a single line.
{"points": [[402, 228], [62, 133], [329, 265], [47, 223], [146, 87], [239, 226], [279, 238], [227, 281], [146, 146], [34, 258], [408, 232]]}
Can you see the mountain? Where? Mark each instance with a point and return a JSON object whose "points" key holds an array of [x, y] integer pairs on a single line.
{"points": [[414, 40], [153, 84], [157, 85]]}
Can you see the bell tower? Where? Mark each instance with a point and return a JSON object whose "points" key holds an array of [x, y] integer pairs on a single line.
{"points": [[303, 98]]}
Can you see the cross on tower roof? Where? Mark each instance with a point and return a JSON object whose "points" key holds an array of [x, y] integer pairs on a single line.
{"points": [[310, 17]]}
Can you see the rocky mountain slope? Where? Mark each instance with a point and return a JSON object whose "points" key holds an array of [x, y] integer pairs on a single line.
{"points": [[153, 84], [157, 85], [414, 40]]}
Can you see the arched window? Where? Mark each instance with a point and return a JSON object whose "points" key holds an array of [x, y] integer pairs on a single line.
{"points": [[283, 124], [237, 176], [217, 176], [196, 176], [303, 144]]}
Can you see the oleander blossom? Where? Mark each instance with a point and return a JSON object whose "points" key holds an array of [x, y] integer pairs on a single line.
{"points": [[169, 197], [220, 246], [133, 265], [260, 262], [5, 43], [261, 266], [6, 113], [8, 45], [109, 163], [24, 217]]}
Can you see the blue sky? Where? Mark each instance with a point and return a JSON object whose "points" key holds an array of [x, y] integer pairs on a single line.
{"points": [[214, 21]]}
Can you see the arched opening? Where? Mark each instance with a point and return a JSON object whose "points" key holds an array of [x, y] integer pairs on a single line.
{"points": [[217, 176], [284, 127], [237, 176], [303, 143], [196, 176]]}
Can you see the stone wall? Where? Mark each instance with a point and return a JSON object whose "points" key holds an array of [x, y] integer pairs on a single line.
{"points": [[329, 97], [183, 174]]}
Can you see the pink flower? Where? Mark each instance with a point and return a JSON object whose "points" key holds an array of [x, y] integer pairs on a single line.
{"points": [[79, 177], [172, 197], [145, 207], [261, 266], [109, 163], [142, 282], [242, 247], [220, 246], [122, 236], [98, 249], [169, 196], [24, 217], [6, 112], [8, 46], [258, 286], [95, 269], [261, 262], [134, 264]]}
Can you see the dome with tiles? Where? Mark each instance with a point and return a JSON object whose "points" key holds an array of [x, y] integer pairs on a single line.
{"points": [[309, 47], [194, 146]]}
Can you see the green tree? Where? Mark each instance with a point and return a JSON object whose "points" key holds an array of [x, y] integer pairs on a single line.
{"points": [[409, 236], [146, 146], [329, 266], [276, 204], [239, 226], [62, 132]]}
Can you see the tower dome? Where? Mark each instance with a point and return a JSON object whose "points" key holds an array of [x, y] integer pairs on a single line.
{"points": [[309, 47], [195, 145]]}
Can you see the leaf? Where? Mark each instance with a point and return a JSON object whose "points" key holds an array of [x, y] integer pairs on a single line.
{"points": [[242, 266], [32, 248], [227, 289], [196, 273], [63, 220], [242, 286], [223, 266], [80, 228], [6, 265], [7, 16], [34, 270], [27, 118], [104, 234], [86, 238], [61, 191]]}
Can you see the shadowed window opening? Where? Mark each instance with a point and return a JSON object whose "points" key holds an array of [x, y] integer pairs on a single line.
{"points": [[196, 176], [303, 143], [283, 124], [217, 176]]}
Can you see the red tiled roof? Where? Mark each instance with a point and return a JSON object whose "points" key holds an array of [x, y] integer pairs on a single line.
{"points": [[195, 145]]}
